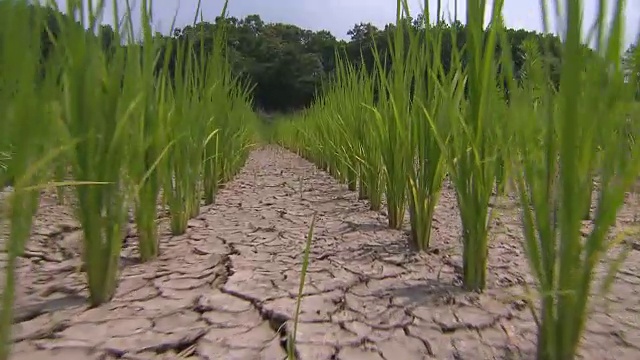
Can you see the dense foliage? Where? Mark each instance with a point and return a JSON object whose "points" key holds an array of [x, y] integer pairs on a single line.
{"points": [[286, 65], [117, 127]]}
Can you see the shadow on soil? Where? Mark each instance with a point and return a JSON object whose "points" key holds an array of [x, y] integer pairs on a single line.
{"points": [[428, 293], [351, 227], [386, 249], [32, 311]]}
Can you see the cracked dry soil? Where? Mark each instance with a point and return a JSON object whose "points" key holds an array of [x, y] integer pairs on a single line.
{"points": [[226, 289]]}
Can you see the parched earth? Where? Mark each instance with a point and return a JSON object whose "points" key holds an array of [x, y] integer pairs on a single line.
{"points": [[226, 289]]}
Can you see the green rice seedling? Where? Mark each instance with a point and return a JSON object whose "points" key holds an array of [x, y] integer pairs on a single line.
{"points": [[371, 186], [213, 154], [504, 130], [61, 167], [112, 119], [427, 171], [317, 140], [316, 143], [25, 135], [97, 118], [344, 122], [199, 127], [207, 65], [351, 94], [391, 114], [236, 128], [472, 152], [149, 142], [291, 340], [331, 139], [343, 106], [556, 176], [209, 147], [335, 128], [563, 140], [180, 184], [346, 137], [310, 129], [211, 174], [333, 133], [331, 136], [504, 134], [5, 157]]}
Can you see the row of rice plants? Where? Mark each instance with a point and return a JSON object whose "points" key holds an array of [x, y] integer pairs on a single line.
{"points": [[127, 133], [401, 129]]}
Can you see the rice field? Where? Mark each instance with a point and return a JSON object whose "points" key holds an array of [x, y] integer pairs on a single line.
{"points": [[410, 213]]}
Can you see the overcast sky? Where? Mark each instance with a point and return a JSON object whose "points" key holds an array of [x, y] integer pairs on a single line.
{"points": [[338, 16]]}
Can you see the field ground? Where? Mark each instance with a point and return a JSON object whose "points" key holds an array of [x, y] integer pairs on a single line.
{"points": [[226, 289]]}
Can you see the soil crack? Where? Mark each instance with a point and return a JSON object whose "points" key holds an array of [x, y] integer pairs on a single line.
{"points": [[227, 288]]}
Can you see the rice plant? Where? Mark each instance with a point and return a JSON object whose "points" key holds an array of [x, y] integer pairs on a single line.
{"points": [[582, 126], [291, 338], [486, 126], [115, 125], [431, 103], [25, 138]]}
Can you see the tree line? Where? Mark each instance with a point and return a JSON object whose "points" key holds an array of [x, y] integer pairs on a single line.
{"points": [[286, 65]]}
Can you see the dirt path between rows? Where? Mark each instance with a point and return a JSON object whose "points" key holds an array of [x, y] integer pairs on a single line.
{"points": [[226, 289]]}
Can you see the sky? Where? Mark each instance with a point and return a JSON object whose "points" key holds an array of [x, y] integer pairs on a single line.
{"points": [[338, 16]]}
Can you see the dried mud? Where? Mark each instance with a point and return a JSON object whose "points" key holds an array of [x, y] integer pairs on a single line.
{"points": [[226, 289]]}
